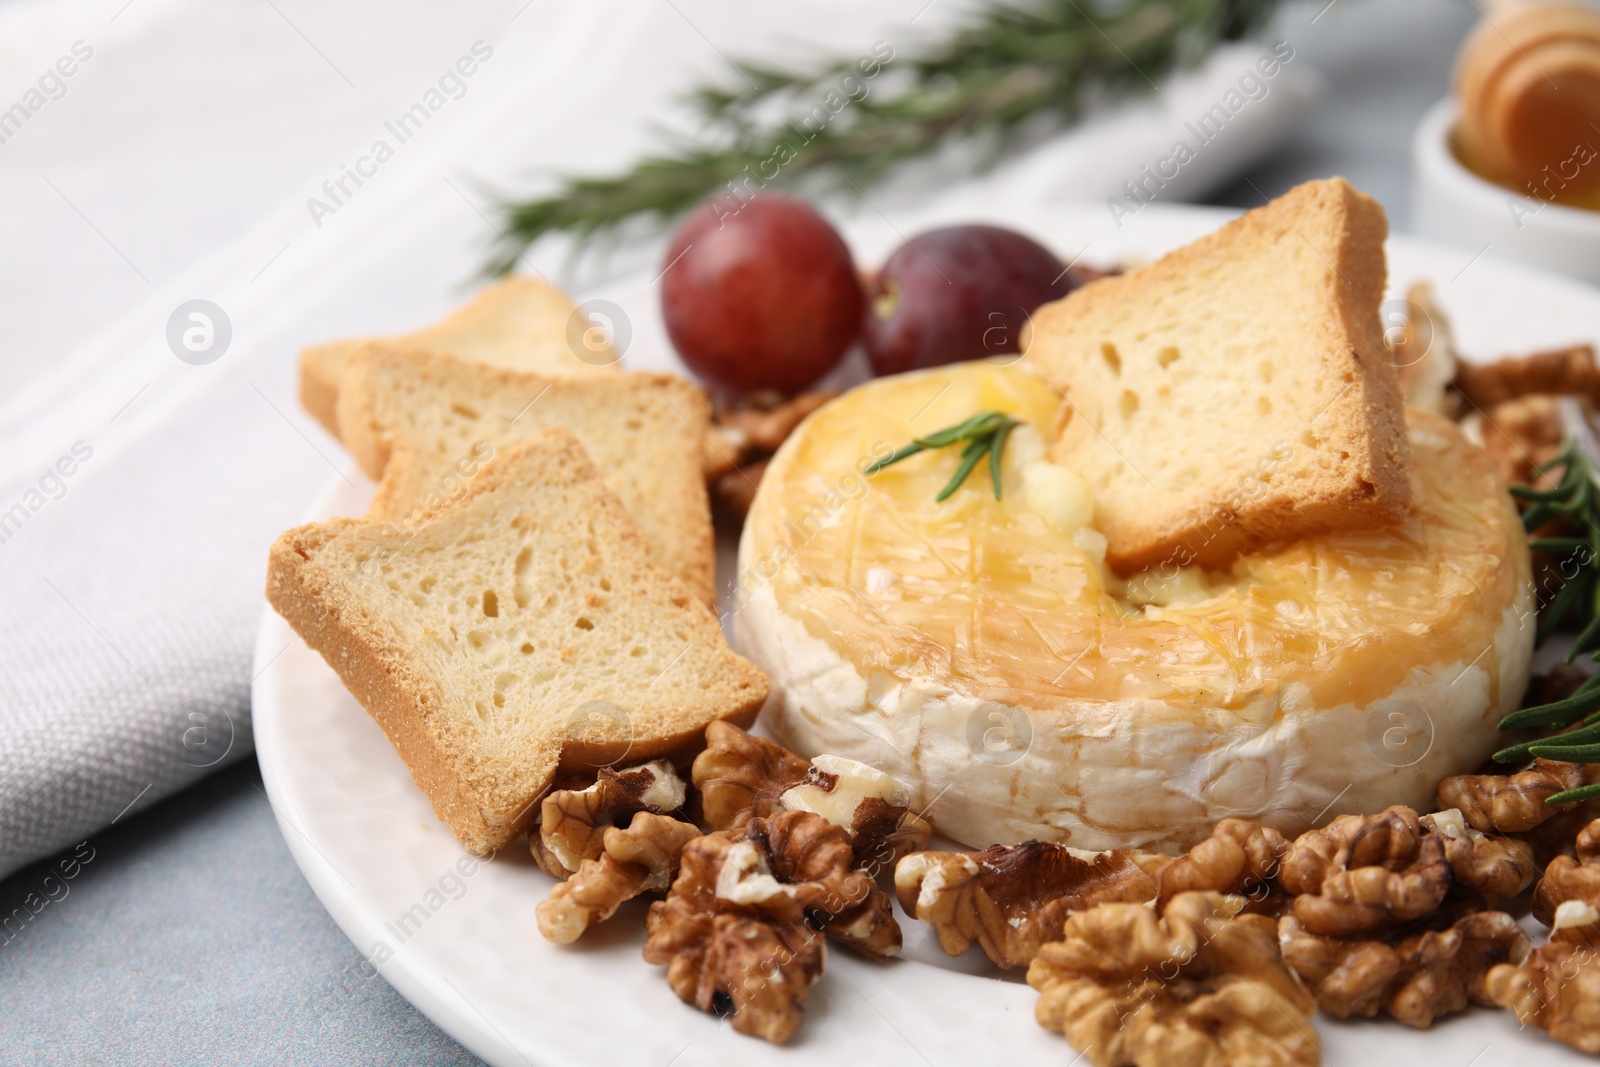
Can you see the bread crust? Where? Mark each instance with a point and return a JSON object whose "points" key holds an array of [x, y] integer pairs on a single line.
{"points": [[1356, 406], [321, 367], [492, 329], [484, 329], [488, 802], [678, 525], [381, 677]]}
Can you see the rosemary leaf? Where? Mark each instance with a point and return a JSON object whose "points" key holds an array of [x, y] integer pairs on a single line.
{"points": [[1572, 796], [975, 450], [1559, 713], [995, 449], [1587, 636], [981, 80], [1573, 504], [1569, 596], [1514, 754], [984, 433], [1566, 753]]}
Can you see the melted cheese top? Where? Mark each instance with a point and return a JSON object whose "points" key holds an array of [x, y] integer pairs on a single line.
{"points": [[1010, 601]]}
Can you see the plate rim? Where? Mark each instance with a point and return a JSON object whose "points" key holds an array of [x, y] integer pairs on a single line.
{"points": [[433, 993]]}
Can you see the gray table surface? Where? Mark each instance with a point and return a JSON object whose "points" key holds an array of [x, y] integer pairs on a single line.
{"points": [[191, 937]]}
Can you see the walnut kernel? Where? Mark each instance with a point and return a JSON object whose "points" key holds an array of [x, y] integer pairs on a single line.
{"points": [[1569, 371], [1512, 803], [639, 858], [1416, 978], [1201, 985], [1497, 868], [1012, 899], [872, 806], [1239, 858], [740, 777], [573, 822], [1557, 987], [1363, 873], [742, 928]]}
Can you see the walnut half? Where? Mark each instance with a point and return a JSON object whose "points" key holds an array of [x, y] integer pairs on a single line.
{"points": [[1557, 987], [1416, 979], [1513, 803], [732, 959], [873, 807], [742, 929], [1364, 873], [1569, 371], [1570, 877], [740, 776], [1201, 985], [639, 858], [1012, 899], [1497, 868], [573, 822], [1239, 857]]}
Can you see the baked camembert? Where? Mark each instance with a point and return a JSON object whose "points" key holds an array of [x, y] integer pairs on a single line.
{"points": [[980, 651]]}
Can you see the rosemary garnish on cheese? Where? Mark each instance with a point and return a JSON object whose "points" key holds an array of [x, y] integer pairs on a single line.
{"points": [[985, 434]]}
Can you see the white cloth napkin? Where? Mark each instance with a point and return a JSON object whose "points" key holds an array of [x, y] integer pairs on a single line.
{"points": [[139, 492]]}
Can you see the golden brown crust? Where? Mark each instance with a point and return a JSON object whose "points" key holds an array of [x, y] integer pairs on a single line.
{"points": [[487, 802], [1357, 476], [517, 321], [383, 679], [645, 431], [320, 369]]}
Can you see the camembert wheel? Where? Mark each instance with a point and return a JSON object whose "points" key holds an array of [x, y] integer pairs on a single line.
{"points": [[979, 650]]}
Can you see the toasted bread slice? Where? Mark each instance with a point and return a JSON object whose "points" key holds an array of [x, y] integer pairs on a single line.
{"points": [[424, 423], [1236, 392], [518, 631], [519, 323]]}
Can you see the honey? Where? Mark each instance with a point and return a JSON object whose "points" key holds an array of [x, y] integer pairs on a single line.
{"points": [[1010, 600]]}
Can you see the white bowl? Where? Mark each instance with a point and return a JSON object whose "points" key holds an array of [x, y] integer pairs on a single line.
{"points": [[1450, 203]]}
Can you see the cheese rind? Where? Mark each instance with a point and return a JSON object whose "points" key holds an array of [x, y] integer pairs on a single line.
{"points": [[1020, 692]]}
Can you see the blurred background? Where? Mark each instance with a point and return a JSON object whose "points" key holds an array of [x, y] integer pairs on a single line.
{"points": [[185, 157], [193, 126]]}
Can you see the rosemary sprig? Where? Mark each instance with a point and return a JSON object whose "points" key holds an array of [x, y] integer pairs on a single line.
{"points": [[1038, 62], [985, 434], [1574, 501]]}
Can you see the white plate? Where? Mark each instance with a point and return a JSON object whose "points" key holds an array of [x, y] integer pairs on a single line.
{"points": [[464, 947]]}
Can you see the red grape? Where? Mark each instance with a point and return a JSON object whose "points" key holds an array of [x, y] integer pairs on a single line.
{"points": [[962, 292], [760, 294]]}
